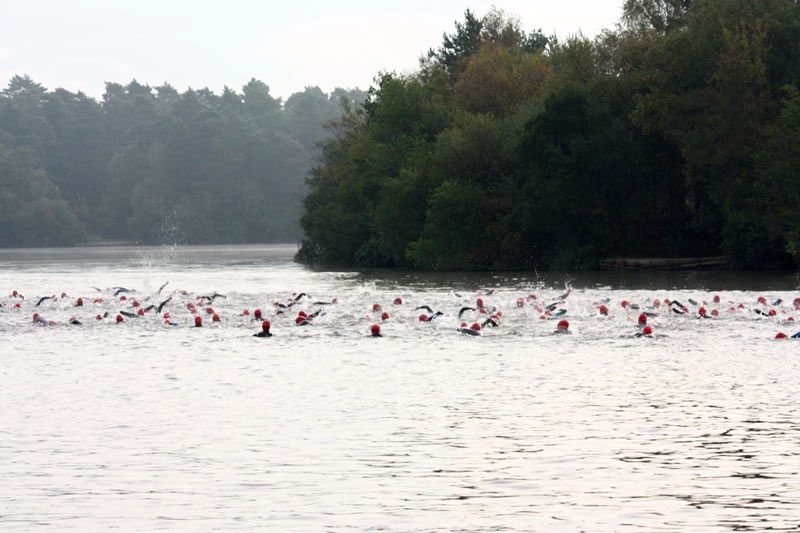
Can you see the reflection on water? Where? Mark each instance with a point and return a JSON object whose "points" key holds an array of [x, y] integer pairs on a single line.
{"points": [[146, 427]]}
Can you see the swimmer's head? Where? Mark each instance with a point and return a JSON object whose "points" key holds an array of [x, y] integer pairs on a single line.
{"points": [[246, 312], [375, 329], [257, 313], [647, 330], [398, 301], [215, 318], [119, 319], [603, 310], [198, 321], [384, 316], [781, 335], [265, 325], [423, 318], [642, 319], [479, 302], [35, 317], [475, 326], [79, 302], [376, 308], [563, 325], [702, 312]]}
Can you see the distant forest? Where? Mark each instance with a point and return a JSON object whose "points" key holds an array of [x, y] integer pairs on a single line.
{"points": [[152, 165], [677, 133]]}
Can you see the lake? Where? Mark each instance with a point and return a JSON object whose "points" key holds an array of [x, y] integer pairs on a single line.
{"points": [[145, 426]]}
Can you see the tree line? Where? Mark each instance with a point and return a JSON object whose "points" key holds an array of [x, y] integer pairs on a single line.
{"points": [[677, 133], [154, 165]]}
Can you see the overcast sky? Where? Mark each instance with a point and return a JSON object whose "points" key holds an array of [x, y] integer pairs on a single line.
{"points": [[80, 44]]}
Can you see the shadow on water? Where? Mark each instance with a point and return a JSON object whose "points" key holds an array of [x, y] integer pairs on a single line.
{"points": [[644, 280]]}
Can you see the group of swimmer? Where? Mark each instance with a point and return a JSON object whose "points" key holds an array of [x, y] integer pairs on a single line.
{"points": [[490, 317]]}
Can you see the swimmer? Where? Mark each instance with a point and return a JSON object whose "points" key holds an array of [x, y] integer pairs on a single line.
{"points": [[38, 319], [563, 328], [647, 331], [74, 321], [474, 330], [198, 321], [265, 325], [120, 290], [129, 315], [43, 299], [492, 321], [375, 330], [460, 312]]}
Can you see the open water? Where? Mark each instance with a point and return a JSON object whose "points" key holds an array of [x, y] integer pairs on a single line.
{"points": [[141, 426]]}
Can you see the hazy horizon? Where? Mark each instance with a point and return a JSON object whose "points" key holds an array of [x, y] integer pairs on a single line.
{"points": [[81, 45]]}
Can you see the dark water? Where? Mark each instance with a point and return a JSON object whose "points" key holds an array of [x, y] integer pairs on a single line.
{"points": [[141, 426]]}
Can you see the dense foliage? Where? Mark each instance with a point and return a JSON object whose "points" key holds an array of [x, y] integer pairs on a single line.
{"points": [[154, 165], [677, 133]]}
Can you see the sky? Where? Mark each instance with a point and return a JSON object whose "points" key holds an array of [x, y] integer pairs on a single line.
{"points": [[81, 44]]}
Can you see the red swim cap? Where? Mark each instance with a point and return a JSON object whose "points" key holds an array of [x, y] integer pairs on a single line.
{"points": [[375, 329], [642, 319], [773, 312], [714, 312], [141, 312], [762, 300], [98, 300], [483, 310], [531, 296], [463, 324], [398, 301], [167, 315], [265, 325], [480, 302], [209, 310], [63, 295], [563, 325], [257, 313], [17, 305], [702, 311], [423, 318], [99, 317], [246, 312], [198, 321], [656, 303], [119, 319], [781, 335], [14, 293], [475, 326], [136, 303], [716, 298], [190, 306], [35, 317], [123, 298], [790, 319], [376, 307], [79, 302], [603, 310], [299, 320], [215, 318], [520, 302], [624, 304], [647, 330], [384, 316], [302, 314]]}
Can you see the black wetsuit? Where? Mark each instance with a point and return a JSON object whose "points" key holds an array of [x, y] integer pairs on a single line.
{"points": [[469, 331], [263, 334]]}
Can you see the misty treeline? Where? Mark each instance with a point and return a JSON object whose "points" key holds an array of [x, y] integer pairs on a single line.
{"points": [[675, 134], [152, 165]]}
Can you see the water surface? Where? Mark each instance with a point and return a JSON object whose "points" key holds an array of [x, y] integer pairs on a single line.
{"points": [[142, 426]]}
